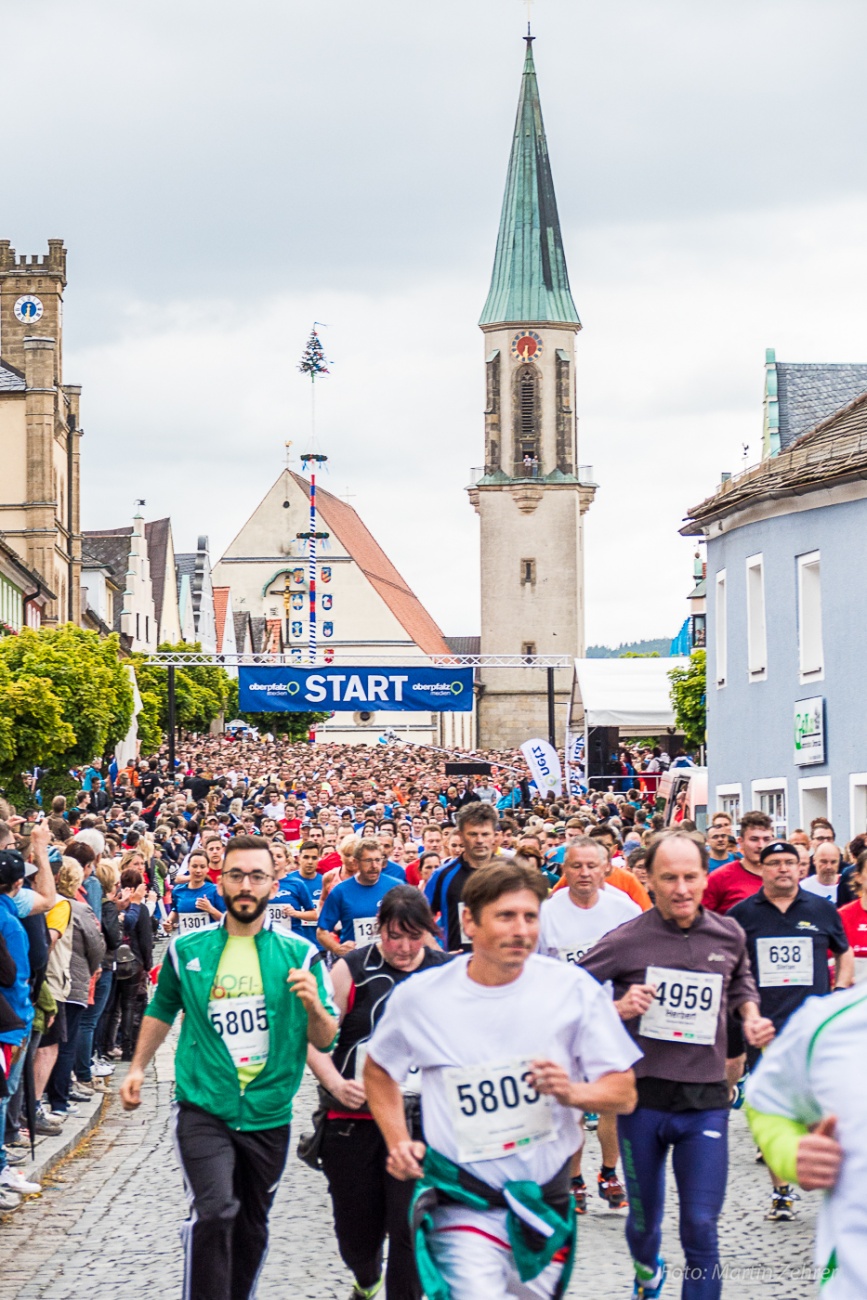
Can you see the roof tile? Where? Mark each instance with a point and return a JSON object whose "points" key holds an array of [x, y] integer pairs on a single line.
{"points": [[360, 544]]}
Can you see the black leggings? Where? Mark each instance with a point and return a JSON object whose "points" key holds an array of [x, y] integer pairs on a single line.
{"points": [[231, 1180], [368, 1204]]}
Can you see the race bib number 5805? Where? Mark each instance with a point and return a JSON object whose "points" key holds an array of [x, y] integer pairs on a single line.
{"points": [[495, 1110]]}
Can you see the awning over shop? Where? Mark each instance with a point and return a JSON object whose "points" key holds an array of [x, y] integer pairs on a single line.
{"points": [[631, 694]]}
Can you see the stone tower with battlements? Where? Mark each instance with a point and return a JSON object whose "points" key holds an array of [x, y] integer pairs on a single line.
{"points": [[40, 431], [530, 495]]}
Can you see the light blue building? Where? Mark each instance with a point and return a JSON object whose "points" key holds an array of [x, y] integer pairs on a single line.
{"points": [[786, 616]]}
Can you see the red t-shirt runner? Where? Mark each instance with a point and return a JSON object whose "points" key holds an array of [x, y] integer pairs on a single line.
{"points": [[729, 885], [854, 918]]}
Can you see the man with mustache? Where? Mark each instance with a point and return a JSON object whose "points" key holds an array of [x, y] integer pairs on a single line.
{"points": [[510, 1046], [252, 1001]]}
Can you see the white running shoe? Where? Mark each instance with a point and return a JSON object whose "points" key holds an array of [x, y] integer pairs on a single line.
{"points": [[16, 1182]]}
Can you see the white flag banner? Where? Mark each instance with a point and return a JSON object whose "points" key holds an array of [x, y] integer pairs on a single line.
{"points": [[544, 764], [574, 756]]}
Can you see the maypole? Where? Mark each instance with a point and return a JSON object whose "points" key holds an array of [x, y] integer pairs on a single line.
{"points": [[312, 364]]}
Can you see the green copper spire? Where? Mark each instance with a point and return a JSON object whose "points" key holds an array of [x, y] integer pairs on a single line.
{"points": [[530, 284]]}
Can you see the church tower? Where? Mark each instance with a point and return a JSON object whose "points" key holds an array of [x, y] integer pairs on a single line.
{"points": [[40, 429], [530, 497]]}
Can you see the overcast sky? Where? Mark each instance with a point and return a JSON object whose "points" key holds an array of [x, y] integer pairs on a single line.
{"points": [[224, 174]]}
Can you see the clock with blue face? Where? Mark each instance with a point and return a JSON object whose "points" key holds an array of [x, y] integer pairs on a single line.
{"points": [[527, 346], [28, 309]]}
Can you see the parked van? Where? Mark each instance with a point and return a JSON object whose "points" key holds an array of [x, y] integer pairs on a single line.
{"points": [[694, 781]]}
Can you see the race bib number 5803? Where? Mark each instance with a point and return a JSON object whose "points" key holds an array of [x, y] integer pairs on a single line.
{"points": [[495, 1110]]}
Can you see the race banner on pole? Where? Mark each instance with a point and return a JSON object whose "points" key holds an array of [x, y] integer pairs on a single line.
{"points": [[544, 764], [323, 690]]}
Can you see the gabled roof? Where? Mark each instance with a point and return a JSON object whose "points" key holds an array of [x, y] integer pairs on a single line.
{"points": [[360, 544], [273, 636], [464, 645], [157, 534], [109, 549], [28, 578], [529, 284], [243, 628], [221, 606], [809, 393], [834, 452], [259, 629], [11, 379]]}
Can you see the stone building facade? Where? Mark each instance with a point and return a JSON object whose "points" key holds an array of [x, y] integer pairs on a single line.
{"points": [[40, 429]]}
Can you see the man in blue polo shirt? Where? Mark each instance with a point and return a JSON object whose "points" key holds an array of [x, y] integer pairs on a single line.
{"points": [[718, 849], [299, 893], [789, 933], [348, 917]]}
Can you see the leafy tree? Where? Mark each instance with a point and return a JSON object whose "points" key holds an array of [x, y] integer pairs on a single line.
{"points": [[64, 698], [294, 726], [688, 695]]}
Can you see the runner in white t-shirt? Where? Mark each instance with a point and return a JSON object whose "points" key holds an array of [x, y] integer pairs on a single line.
{"points": [[511, 1046], [573, 919], [805, 1105]]}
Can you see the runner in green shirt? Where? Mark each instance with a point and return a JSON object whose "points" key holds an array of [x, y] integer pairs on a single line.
{"points": [[252, 1001]]}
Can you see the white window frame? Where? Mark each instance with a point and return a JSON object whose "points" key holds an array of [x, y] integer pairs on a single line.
{"points": [[721, 629], [767, 784], [857, 826], [811, 665], [814, 783], [757, 632], [733, 791]]}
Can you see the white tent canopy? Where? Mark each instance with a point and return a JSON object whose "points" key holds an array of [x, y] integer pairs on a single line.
{"points": [[631, 694]]}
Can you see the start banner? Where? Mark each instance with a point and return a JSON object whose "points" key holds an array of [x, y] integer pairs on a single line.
{"points": [[323, 690]]}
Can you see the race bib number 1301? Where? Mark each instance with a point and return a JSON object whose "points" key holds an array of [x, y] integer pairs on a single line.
{"points": [[495, 1110]]}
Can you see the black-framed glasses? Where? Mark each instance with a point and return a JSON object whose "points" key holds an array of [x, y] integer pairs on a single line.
{"points": [[237, 877]]}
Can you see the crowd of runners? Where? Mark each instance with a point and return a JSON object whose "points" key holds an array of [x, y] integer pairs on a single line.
{"points": [[474, 974]]}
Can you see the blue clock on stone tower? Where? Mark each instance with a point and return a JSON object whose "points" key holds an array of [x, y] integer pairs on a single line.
{"points": [[28, 309]]}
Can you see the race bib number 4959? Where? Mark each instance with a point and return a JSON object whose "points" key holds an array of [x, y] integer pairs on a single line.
{"points": [[495, 1110], [686, 1007]]}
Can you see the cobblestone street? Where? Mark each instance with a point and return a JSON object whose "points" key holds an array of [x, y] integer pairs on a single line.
{"points": [[106, 1224]]}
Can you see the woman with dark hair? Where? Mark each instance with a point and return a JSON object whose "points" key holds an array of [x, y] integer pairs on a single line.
{"points": [[368, 1203], [138, 933]]}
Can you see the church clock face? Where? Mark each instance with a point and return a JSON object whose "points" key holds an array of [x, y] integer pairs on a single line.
{"points": [[527, 346], [28, 309]]}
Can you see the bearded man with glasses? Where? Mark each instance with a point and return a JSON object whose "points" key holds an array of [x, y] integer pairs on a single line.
{"points": [[252, 999]]}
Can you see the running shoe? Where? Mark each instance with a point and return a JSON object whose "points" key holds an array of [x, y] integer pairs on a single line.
{"points": [[80, 1092], [579, 1191], [739, 1093], [649, 1288], [611, 1191], [9, 1200], [101, 1069], [367, 1292], [13, 1181], [14, 1157], [47, 1125], [782, 1206], [591, 1121]]}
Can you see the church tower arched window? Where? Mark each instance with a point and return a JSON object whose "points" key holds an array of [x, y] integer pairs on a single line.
{"points": [[527, 422]]}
